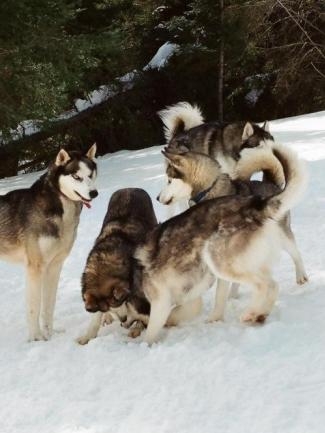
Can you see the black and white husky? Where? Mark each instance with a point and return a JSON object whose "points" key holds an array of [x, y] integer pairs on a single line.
{"points": [[38, 226]]}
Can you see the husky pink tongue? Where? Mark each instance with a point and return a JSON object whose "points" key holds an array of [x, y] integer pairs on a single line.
{"points": [[87, 203]]}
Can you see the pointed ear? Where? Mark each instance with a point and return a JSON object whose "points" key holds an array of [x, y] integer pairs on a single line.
{"points": [[62, 157], [174, 159], [266, 126], [92, 152], [248, 131]]}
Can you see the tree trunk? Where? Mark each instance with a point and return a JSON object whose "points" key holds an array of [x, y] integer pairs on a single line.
{"points": [[221, 63]]}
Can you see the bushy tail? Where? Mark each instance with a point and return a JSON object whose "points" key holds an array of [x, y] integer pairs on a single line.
{"points": [[259, 159], [296, 178], [180, 117]]}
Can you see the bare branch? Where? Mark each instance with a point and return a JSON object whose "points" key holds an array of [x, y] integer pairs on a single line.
{"points": [[317, 70], [301, 28]]}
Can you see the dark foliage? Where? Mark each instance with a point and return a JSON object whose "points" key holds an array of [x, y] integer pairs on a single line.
{"points": [[53, 52]]}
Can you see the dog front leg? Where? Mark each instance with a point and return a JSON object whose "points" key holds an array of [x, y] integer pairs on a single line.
{"points": [[93, 328], [34, 291], [222, 293], [136, 328], [159, 311], [50, 287]]}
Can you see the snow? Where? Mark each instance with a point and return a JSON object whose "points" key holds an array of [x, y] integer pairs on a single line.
{"points": [[223, 377], [162, 56]]}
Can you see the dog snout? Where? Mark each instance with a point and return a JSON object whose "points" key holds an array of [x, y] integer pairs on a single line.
{"points": [[93, 193], [92, 308]]}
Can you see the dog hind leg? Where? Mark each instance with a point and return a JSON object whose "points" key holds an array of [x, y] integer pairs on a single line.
{"points": [[264, 296], [222, 289], [222, 293], [289, 244], [185, 312]]}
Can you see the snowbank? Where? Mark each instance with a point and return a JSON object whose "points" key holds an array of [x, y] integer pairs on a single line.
{"points": [[222, 377]]}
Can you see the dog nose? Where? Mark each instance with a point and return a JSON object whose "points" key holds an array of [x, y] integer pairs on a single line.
{"points": [[92, 309], [157, 198], [93, 193]]}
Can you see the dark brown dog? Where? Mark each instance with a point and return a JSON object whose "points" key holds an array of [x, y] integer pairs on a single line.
{"points": [[110, 277]]}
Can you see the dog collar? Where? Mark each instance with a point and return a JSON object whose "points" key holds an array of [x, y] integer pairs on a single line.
{"points": [[200, 196]]}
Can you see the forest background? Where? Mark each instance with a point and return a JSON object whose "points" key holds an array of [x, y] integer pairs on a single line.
{"points": [[252, 60]]}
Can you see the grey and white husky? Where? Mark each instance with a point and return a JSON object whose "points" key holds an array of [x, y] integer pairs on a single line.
{"points": [[38, 226], [232, 238], [196, 177], [185, 129]]}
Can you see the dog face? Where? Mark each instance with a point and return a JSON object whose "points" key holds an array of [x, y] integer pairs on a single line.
{"points": [[77, 175], [108, 294], [254, 135], [177, 187]]}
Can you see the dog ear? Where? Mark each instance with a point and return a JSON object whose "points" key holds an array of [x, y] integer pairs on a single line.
{"points": [[248, 131], [175, 159], [92, 152], [266, 126], [62, 158], [121, 292]]}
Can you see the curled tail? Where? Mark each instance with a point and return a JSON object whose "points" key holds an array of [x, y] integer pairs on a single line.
{"points": [[296, 178], [259, 159], [180, 117]]}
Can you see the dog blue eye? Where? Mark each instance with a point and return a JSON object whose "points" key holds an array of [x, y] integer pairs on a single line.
{"points": [[76, 177]]}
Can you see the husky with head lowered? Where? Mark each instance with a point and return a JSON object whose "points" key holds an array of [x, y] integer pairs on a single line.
{"points": [[230, 238], [185, 129], [112, 279], [38, 226]]}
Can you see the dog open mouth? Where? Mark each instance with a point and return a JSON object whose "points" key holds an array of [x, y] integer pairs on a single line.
{"points": [[85, 201]]}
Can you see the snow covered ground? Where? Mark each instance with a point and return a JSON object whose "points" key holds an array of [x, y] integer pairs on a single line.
{"points": [[222, 377]]}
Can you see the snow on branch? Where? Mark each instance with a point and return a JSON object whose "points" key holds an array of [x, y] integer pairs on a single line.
{"points": [[96, 97]]}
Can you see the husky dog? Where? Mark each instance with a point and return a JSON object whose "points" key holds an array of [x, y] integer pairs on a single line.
{"points": [[185, 129], [231, 238], [112, 280], [38, 228], [197, 177]]}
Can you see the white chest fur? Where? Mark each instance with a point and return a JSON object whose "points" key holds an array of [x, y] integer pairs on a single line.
{"points": [[67, 231]]}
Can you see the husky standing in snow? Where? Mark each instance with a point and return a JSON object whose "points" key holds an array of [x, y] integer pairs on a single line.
{"points": [[38, 226], [232, 238], [199, 177], [185, 129]]}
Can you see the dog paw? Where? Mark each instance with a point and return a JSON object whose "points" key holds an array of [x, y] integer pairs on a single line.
{"points": [[83, 340], [302, 279], [253, 317], [212, 319], [134, 333], [37, 336]]}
